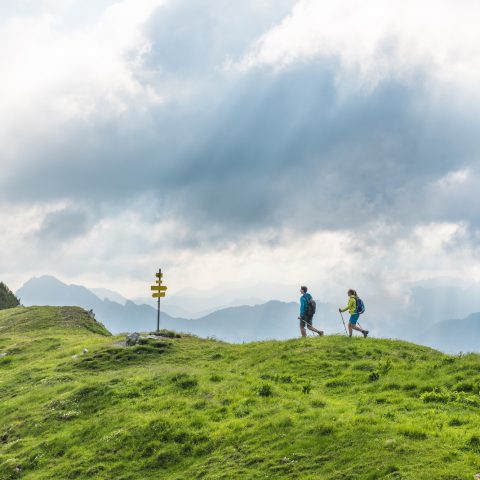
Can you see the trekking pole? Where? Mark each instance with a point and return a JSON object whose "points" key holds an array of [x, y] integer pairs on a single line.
{"points": [[344, 326]]}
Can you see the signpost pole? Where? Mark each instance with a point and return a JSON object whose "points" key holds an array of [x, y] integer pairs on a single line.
{"points": [[158, 311], [158, 291]]}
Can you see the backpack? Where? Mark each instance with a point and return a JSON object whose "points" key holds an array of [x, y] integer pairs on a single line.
{"points": [[311, 307], [360, 306]]}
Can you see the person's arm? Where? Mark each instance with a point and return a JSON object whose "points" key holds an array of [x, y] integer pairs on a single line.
{"points": [[351, 301]]}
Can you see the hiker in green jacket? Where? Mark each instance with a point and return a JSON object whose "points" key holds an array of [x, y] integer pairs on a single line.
{"points": [[354, 315]]}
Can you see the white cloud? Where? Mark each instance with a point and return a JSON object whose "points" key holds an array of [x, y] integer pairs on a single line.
{"points": [[375, 39], [50, 75], [454, 179]]}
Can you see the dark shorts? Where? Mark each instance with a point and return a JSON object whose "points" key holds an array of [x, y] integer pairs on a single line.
{"points": [[306, 320]]}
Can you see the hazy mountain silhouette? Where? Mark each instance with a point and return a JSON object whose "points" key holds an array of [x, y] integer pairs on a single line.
{"points": [[438, 303], [48, 290], [105, 293], [454, 336], [271, 320]]}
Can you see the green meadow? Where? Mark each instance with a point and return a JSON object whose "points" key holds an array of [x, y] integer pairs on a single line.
{"points": [[185, 408]]}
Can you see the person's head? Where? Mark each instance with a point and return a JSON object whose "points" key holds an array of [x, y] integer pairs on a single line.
{"points": [[352, 293], [303, 290]]}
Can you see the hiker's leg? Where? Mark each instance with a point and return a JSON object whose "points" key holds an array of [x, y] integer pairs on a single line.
{"points": [[349, 329], [352, 324], [360, 329], [309, 323], [313, 329], [302, 327]]}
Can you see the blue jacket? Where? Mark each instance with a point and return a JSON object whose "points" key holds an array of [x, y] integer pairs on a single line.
{"points": [[304, 299]]}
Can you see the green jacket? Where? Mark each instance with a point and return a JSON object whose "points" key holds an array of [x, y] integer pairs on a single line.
{"points": [[352, 306]]}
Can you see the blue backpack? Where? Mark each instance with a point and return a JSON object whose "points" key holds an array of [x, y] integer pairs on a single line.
{"points": [[360, 306]]}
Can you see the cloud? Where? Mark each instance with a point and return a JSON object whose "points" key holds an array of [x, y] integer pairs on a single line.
{"points": [[377, 40], [61, 226], [255, 140]]}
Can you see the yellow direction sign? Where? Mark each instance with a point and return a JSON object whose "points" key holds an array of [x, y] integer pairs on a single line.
{"points": [[159, 275], [158, 288], [158, 295]]}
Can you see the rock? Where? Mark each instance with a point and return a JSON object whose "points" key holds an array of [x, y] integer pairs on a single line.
{"points": [[85, 350], [477, 476], [91, 314], [74, 356], [3, 354], [132, 339]]}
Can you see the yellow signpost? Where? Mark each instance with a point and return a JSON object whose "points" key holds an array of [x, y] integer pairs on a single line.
{"points": [[158, 288], [159, 291]]}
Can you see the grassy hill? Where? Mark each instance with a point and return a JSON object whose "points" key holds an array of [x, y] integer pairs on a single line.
{"points": [[315, 408]]}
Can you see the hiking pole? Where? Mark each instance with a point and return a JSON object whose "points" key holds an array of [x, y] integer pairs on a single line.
{"points": [[344, 326]]}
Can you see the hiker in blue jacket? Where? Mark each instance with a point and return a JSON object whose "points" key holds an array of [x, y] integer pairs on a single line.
{"points": [[306, 314]]}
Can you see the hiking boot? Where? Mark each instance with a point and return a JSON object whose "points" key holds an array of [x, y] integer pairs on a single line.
{"points": [[320, 333], [365, 333]]}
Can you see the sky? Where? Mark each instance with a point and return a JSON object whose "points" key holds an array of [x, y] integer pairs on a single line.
{"points": [[250, 146]]}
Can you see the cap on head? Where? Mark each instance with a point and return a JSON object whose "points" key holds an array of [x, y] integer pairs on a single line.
{"points": [[304, 289]]}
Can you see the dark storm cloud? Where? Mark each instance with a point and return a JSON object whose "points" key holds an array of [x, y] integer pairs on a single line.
{"points": [[262, 149], [61, 226]]}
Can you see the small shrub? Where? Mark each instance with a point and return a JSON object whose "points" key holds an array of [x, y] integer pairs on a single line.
{"points": [[167, 333], [457, 422], [306, 389], [265, 390], [385, 366], [285, 422], [277, 378], [448, 360], [215, 378], [447, 396], [324, 430], [392, 386], [284, 379], [337, 383], [374, 376], [5, 361], [414, 434], [166, 457], [184, 381], [241, 412], [468, 387], [473, 443], [365, 367], [436, 396], [318, 404]]}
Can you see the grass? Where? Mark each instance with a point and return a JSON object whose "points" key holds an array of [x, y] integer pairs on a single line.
{"points": [[316, 408]]}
